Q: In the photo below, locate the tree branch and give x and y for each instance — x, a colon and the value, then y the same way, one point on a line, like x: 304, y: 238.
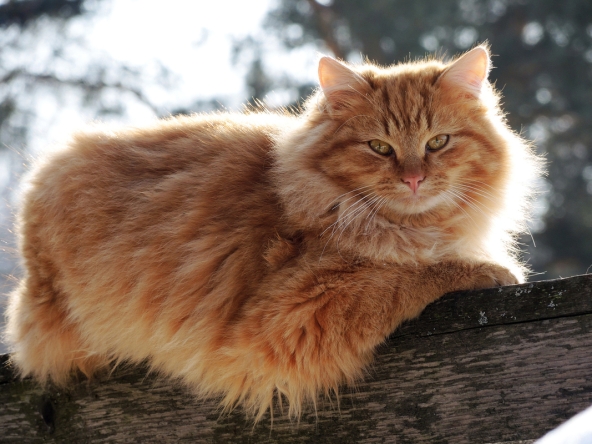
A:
x: 80, y: 83
x: 22, y: 12
x: 325, y: 20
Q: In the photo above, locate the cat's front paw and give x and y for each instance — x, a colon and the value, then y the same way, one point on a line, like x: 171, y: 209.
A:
x: 489, y: 275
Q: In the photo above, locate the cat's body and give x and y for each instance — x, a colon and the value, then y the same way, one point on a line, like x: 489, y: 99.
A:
x: 254, y: 254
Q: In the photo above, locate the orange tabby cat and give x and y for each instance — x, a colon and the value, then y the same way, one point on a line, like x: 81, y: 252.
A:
x: 264, y: 254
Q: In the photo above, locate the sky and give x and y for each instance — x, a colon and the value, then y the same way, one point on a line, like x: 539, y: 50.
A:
x: 192, y: 39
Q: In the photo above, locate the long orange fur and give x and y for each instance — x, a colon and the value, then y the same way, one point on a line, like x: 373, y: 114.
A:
x: 261, y: 255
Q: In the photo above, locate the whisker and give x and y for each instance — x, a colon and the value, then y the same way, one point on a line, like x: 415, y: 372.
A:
x: 349, y: 198
x: 380, y: 201
x: 353, y: 216
x: 467, y: 201
x: 530, y: 234
x: 347, y: 217
x: 372, y: 215
x: 476, y: 190
x: 446, y: 195
x: 480, y: 184
x: 345, y: 214
x: 362, y: 205
x: 339, y: 219
x: 347, y: 192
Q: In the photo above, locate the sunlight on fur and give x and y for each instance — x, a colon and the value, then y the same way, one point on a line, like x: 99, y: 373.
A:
x: 264, y: 255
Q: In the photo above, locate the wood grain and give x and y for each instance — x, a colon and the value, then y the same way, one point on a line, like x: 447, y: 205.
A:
x: 494, y: 366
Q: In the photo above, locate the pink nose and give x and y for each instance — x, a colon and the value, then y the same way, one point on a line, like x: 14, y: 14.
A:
x: 413, y: 182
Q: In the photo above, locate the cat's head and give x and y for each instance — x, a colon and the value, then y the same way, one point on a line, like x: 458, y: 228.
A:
x: 419, y: 143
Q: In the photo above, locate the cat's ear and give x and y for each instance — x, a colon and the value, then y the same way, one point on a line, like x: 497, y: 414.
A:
x: 469, y: 72
x: 342, y: 86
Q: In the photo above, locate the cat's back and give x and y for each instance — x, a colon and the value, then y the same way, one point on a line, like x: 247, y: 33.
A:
x: 147, y: 197
x: 205, y: 156
x: 212, y: 144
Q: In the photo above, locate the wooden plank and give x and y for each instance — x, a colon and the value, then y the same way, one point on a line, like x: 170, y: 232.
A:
x: 489, y: 384
x: 505, y: 305
x: 447, y: 377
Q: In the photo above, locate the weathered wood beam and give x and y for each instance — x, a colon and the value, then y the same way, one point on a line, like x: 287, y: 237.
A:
x: 498, y: 365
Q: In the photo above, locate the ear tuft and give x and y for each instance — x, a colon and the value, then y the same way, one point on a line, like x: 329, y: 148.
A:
x: 339, y: 83
x: 469, y: 72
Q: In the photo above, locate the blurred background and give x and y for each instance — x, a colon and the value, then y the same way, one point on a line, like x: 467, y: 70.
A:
x: 64, y: 63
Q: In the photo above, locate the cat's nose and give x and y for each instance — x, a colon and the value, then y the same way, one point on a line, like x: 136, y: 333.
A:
x: 413, y: 182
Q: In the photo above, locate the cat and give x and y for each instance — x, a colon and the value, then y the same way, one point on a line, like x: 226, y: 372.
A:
x: 261, y: 257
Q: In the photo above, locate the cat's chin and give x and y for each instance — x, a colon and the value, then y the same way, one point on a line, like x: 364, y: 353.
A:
x: 414, y: 205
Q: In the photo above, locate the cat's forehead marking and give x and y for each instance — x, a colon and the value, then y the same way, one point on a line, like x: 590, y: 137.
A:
x: 406, y: 101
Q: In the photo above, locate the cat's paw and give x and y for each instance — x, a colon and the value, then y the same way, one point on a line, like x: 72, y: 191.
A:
x: 489, y: 275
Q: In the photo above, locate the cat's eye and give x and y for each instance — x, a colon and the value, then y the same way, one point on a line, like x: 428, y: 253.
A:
x: 381, y: 147
x: 437, y: 142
